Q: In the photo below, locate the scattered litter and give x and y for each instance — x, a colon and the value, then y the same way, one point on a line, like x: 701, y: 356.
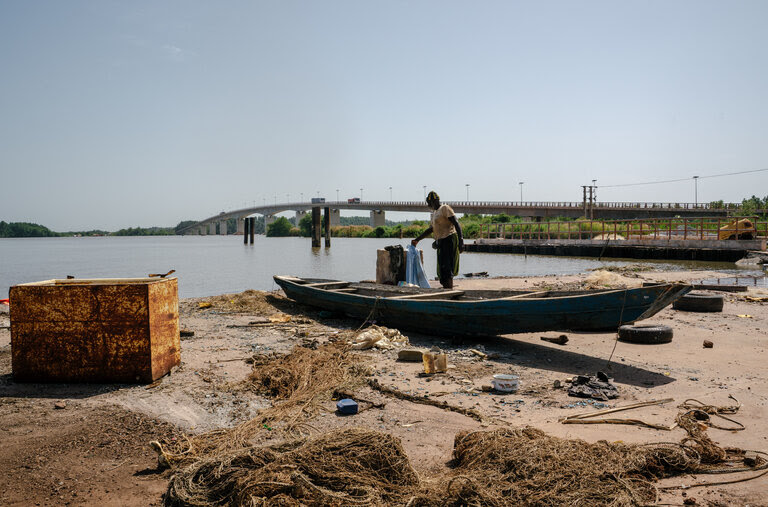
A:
x: 186, y: 333
x: 379, y: 337
x: 745, y: 316
x: 204, y: 304
x: 506, y: 383
x: 347, y: 406
x: 560, y: 340
x: 279, y: 318
x: 412, y: 355
x: 481, y: 274
x: 60, y: 405
x: 434, y: 362
x: 708, y: 344
x: 598, y: 387
x: 478, y: 353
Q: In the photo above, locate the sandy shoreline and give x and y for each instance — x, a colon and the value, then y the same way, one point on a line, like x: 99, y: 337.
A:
x: 203, y: 395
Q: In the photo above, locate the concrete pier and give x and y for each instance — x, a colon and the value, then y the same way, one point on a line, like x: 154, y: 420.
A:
x: 335, y: 217
x: 212, y: 228
x: 299, y: 216
x: 378, y: 218
x: 241, y: 223
x: 223, y: 228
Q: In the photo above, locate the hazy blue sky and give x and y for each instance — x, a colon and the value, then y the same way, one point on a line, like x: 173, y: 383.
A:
x: 117, y: 114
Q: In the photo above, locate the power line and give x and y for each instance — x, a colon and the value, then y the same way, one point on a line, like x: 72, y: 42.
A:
x: 682, y: 179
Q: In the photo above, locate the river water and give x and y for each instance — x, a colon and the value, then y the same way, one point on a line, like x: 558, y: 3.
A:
x: 209, y: 265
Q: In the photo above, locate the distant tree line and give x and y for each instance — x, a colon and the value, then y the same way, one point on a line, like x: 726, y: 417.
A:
x: 25, y: 230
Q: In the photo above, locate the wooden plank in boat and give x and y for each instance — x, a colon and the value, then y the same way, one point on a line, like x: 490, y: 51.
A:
x: 325, y: 285
x: 448, y: 294
x: 344, y: 289
x: 527, y: 295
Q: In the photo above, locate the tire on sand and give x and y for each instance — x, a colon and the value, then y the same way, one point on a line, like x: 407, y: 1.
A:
x: 698, y: 302
x: 645, y: 333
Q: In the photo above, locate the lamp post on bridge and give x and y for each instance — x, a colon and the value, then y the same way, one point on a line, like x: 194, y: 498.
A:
x: 696, y: 191
x: 467, y: 185
x: 390, y: 193
x: 521, y: 191
x: 302, y: 196
x: 425, y: 191
x: 337, y: 195
x: 361, y: 194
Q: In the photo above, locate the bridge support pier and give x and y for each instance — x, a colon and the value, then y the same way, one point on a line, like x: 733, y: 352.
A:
x: 335, y: 217
x: 315, y: 227
x: 212, y: 228
x: 251, y: 227
x: 378, y: 218
x: 299, y: 216
x: 327, y: 226
x: 268, y: 219
x: 201, y: 231
x: 244, y: 224
x: 223, y: 228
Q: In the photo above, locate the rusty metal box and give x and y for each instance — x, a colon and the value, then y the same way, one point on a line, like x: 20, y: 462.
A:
x: 94, y: 330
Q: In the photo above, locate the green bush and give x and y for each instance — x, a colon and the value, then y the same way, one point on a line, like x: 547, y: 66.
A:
x: 279, y: 228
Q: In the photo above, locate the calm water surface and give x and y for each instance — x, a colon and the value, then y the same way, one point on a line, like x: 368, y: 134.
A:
x: 209, y: 265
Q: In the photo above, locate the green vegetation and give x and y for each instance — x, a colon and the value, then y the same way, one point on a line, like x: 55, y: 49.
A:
x: 145, y: 231
x: 749, y: 207
x: 25, y: 230
x: 279, y: 228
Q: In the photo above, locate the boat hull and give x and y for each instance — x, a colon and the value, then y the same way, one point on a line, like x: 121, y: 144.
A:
x: 585, y: 312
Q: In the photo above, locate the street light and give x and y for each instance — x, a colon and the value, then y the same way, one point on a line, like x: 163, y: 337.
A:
x: 361, y: 193
x: 425, y: 191
x: 390, y: 193
x: 337, y: 195
x: 467, y: 185
x: 696, y: 190
x: 521, y: 191
x: 302, y: 196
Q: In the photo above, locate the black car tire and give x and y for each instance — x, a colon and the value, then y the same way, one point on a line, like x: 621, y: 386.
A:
x: 697, y: 302
x: 645, y: 333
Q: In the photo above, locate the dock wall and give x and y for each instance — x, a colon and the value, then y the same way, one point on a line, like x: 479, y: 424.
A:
x: 701, y: 250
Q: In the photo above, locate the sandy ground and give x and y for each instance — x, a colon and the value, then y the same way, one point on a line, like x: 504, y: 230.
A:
x: 87, y: 444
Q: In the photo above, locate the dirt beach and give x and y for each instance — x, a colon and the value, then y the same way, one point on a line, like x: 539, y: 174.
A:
x: 88, y: 444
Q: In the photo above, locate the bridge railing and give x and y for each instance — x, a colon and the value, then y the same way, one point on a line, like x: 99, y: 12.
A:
x: 641, y: 229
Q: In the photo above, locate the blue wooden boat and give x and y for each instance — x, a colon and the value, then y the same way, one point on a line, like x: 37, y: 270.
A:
x: 483, y: 312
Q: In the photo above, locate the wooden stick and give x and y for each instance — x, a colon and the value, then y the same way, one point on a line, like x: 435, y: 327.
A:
x: 447, y: 294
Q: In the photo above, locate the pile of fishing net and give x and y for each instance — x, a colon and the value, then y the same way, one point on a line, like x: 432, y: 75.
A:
x: 342, y: 467
x: 298, y: 383
x: 253, y: 302
x: 527, y: 467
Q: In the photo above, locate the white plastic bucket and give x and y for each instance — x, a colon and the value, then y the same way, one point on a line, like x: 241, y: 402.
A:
x: 506, y: 383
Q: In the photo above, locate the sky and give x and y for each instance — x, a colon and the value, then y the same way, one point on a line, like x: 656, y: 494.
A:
x: 120, y: 114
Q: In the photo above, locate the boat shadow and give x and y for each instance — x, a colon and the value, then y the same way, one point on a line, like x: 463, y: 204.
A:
x: 520, y: 352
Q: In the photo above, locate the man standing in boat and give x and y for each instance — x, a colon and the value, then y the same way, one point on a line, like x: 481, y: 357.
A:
x: 448, y: 239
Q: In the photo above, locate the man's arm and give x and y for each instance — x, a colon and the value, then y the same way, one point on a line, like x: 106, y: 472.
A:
x: 458, y: 231
x: 421, y: 236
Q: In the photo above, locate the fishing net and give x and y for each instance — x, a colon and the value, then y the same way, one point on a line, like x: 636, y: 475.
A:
x: 298, y: 383
x: 507, y: 466
x: 341, y: 467
x: 527, y: 467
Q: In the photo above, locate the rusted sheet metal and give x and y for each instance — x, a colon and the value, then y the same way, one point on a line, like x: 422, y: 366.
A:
x: 123, y: 330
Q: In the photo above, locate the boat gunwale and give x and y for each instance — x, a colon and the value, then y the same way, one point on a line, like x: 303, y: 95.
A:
x: 669, y: 286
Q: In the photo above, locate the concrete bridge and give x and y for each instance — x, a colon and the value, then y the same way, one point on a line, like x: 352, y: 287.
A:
x: 537, y: 210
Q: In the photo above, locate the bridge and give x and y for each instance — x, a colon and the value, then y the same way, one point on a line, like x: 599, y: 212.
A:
x: 537, y: 210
